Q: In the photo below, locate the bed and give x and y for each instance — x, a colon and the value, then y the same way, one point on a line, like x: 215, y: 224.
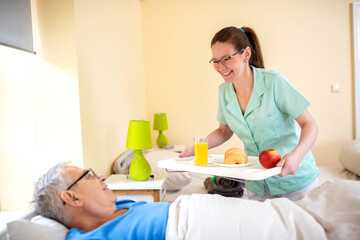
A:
x: 332, y: 211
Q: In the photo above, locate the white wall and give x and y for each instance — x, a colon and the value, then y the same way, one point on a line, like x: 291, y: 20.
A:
x: 89, y: 63
x: 39, y: 104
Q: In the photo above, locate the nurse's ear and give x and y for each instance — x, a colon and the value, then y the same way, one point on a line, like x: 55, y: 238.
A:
x: 247, y: 54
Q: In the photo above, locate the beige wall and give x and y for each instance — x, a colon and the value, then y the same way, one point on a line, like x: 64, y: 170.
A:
x: 39, y: 104
x: 101, y: 52
x: 111, y: 76
x: 309, y: 41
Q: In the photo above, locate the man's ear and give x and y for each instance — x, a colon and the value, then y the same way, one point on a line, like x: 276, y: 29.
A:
x: 69, y: 197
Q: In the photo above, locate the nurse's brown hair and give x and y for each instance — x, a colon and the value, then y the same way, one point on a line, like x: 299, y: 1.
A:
x: 241, y: 38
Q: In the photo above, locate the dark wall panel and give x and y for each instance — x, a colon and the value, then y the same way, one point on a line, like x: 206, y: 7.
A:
x: 15, y: 24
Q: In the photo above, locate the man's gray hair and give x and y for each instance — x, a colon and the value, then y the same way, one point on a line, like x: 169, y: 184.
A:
x: 48, y: 188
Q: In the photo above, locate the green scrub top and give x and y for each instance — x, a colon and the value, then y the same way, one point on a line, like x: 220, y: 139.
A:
x: 269, y: 123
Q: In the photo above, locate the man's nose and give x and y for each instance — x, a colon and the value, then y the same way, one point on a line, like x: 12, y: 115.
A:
x: 101, y: 177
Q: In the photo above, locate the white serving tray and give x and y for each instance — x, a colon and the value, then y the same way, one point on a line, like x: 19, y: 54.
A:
x: 253, y: 171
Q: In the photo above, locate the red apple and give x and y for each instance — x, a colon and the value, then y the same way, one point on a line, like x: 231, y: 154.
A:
x: 269, y: 158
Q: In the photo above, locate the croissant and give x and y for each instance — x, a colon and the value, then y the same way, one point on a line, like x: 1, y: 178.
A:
x: 235, y: 156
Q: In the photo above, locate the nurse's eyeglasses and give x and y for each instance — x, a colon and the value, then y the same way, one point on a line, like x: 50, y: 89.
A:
x: 224, y: 60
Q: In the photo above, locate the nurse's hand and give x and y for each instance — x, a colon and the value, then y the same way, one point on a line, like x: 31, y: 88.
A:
x: 290, y: 163
x: 187, y: 152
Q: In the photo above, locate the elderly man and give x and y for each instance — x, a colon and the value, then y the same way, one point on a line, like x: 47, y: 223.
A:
x: 80, y: 200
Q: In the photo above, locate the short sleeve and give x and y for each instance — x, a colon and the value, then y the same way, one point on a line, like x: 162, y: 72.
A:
x: 288, y: 99
x: 220, y: 114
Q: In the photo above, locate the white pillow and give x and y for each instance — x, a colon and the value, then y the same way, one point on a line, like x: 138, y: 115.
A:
x: 49, y: 223
x: 349, y: 156
x: 39, y: 228
x: 174, y: 181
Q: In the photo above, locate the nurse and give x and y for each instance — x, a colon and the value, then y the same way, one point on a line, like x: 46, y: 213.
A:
x: 262, y: 108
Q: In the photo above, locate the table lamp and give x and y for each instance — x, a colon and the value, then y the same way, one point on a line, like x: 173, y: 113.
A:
x: 139, y: 138
x: 160, y: 123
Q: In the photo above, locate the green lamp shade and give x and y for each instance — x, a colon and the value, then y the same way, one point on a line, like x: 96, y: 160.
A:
x: 139, y: 135
x: 160, y: 121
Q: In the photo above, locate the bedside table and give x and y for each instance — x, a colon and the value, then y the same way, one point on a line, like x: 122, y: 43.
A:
x: 124, y: 187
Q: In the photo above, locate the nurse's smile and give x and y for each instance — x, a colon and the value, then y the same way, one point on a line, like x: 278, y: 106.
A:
x: 226, y: 73
x: 227, y: 76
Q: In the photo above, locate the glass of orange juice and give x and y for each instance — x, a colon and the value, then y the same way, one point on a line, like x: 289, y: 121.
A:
x: 201, y: 151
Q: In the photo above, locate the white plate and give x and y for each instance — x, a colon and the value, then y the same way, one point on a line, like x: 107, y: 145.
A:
x: 219, y: 161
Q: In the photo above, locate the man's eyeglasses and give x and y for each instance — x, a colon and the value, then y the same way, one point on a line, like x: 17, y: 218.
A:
x: 82, y: 176
x: 224, y: 60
